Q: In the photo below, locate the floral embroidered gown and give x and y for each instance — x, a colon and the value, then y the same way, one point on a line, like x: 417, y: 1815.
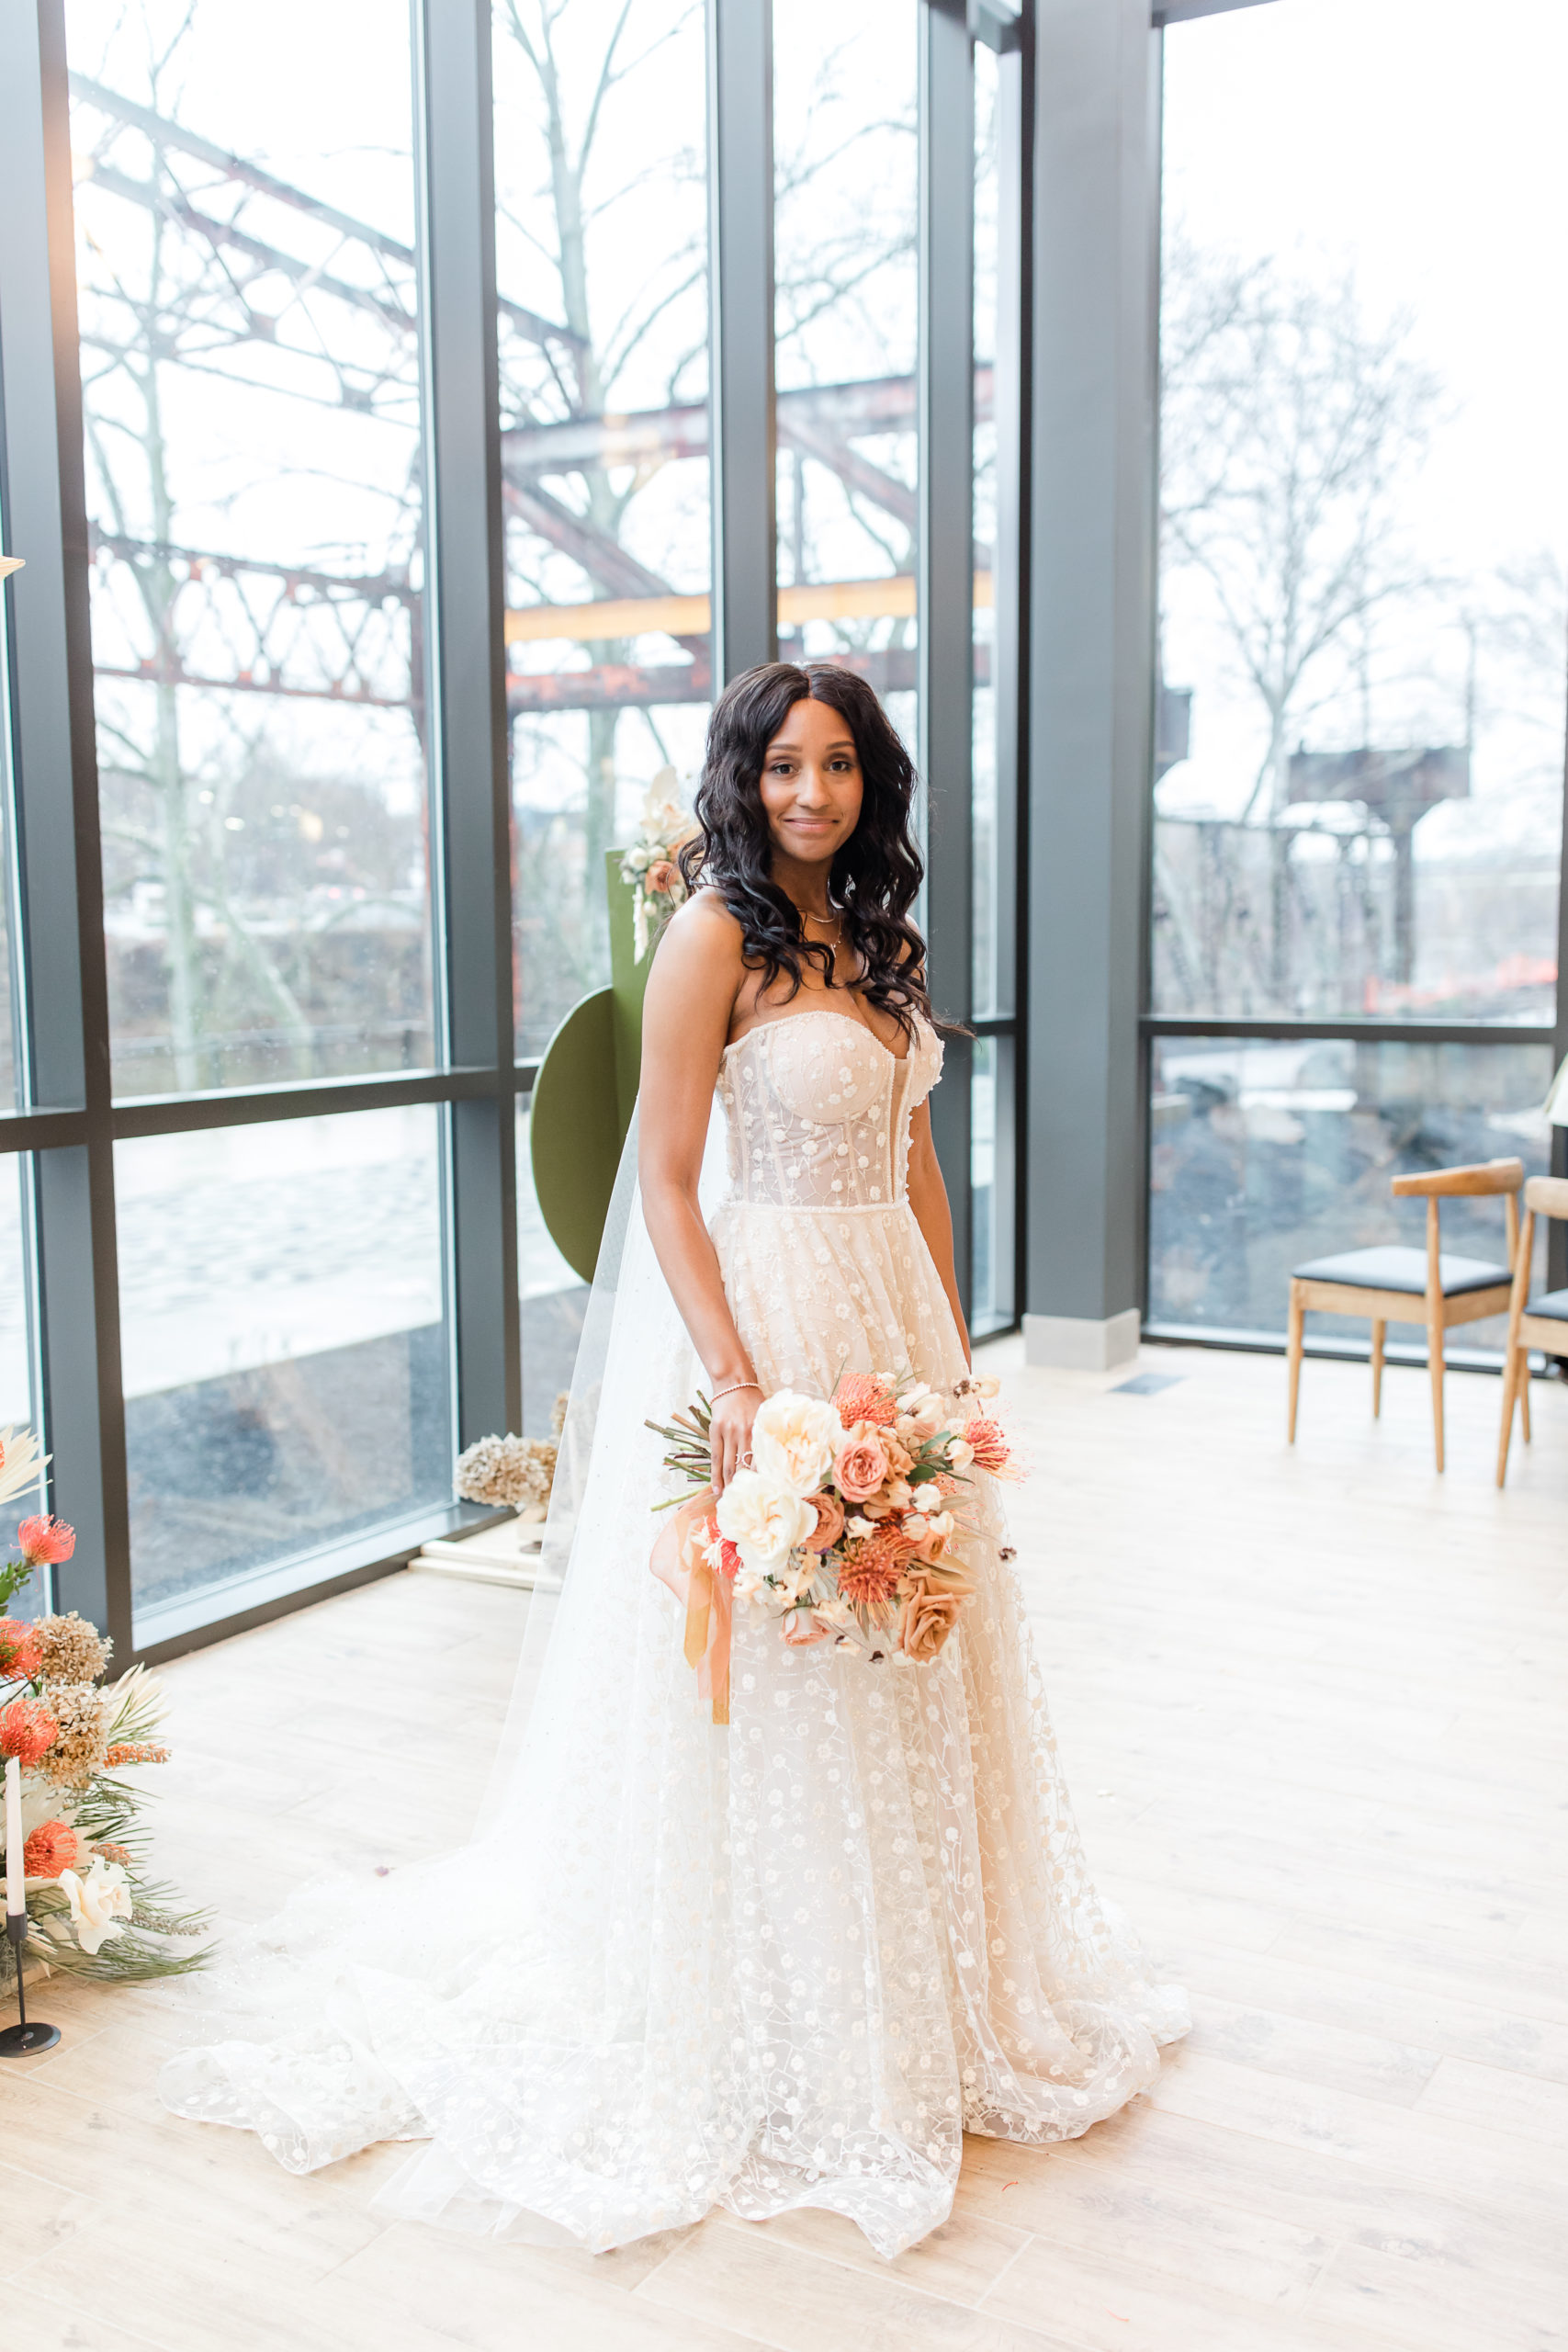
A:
x: 783, y: 1963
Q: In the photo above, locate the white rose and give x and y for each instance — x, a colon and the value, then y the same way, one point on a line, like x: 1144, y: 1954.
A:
x: 98, y: 1903
x: 794, y: 1440
x: 762, y: 1520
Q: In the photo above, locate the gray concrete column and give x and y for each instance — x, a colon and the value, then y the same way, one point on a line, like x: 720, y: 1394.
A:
x: 1091, y: 670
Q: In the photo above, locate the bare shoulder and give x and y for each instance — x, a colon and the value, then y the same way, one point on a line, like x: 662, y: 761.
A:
x: 706, y: 920
x: 698, y: 959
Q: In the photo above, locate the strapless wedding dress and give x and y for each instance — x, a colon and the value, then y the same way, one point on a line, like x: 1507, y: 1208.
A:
x: 786, y: 1964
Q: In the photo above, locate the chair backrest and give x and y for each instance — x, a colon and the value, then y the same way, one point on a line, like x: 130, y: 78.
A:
x: 1546, y: 1196
x: 1450, y: 1183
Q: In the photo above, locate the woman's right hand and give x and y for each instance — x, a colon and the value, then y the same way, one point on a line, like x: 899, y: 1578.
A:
x: 731, y: 1434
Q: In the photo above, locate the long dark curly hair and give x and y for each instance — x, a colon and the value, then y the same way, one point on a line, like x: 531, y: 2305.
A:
x: 874, y: 875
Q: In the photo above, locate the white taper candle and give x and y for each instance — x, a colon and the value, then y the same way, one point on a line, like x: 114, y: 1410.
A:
x: 16, y: 1878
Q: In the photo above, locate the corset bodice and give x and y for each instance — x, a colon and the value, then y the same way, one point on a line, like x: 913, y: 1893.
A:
x: 818, y: 1111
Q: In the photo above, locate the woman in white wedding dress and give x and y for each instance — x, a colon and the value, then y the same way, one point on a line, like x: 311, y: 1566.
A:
x: 788, y: 1962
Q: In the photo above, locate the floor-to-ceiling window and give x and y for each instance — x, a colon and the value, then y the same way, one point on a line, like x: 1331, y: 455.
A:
x: 249, y: 315
x: 998, y: 131
x: 395, y: 460
x: 602, y: 197
x: 1358, y: 841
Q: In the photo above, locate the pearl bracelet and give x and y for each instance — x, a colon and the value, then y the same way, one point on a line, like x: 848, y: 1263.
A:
x: 733, y: 1389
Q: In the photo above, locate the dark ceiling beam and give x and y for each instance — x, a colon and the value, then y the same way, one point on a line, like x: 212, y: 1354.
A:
x: 836, y: 411
x: 165, y: 133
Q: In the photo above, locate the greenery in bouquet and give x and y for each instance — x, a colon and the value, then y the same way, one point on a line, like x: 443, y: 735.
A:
x: 849, y: 1521
x: 649, y: 864
x: 94, y: 1909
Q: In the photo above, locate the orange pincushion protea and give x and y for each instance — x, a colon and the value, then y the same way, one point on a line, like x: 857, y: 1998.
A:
x: 26, y: 1731
x: 869, y: 1570
x: 45, y: 1541
x: 18, y: 1650
x: 50, y: 1850
x: 861, y: 1397
x: 992, y: 1451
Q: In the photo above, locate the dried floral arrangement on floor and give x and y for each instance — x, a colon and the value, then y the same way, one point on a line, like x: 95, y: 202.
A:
x: 93, y: 1910
x: 516, y: 1471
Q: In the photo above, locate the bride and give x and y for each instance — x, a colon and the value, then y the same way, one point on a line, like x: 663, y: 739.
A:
x: 790, y: 1960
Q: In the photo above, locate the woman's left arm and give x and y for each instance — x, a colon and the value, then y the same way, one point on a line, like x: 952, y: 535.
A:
x: 928, y: 1198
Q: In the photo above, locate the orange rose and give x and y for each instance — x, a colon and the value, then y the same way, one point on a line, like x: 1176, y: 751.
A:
x: 662, y: 877
x: 862, y: 1467
x: 830, y: 1523
x: 800, y: 1629
x: 929, y: 1614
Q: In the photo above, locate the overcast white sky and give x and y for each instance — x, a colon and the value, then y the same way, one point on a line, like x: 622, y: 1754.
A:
x: 1420, y: 143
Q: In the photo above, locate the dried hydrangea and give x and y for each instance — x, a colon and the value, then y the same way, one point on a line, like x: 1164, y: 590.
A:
x: 70, y: 1650
x: 80, y: 1743
x: 516, y: 1470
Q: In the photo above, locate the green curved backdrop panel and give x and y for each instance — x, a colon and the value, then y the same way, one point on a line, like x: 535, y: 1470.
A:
x: 586, y: 1091
x: 574, y: 1131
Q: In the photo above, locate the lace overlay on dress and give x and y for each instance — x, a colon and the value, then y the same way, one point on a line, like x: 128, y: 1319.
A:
x: 782, y: 1966
x: 818, y: 1111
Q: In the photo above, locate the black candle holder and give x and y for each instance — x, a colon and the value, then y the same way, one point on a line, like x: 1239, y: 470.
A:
x: 23, y: 2040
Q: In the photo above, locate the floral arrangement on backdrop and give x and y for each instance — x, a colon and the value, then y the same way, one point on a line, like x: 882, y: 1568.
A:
x: 650, y: 864
x: 848, y: 1526
x: 93, y: 1908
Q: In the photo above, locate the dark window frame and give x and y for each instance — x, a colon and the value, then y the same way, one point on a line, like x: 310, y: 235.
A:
x: 69, y: 1121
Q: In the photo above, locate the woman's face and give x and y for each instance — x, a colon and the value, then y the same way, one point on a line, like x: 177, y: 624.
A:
x: 811, y: 784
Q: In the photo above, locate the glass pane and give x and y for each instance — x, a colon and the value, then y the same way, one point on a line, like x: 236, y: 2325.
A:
x: 846, y: 236
x: 554, y: 1301
x: 601, y: 254
x: 283, y: 1330
x: 1266, y: 1156
x: 9, y: 1097
x: 18, y: 1400
x: 250, y: 332
x: 1365, y: 549
x: 991, y: 1169
x: 992, y: 988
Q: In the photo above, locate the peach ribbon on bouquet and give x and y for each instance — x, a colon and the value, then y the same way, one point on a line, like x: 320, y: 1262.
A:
x: 677, y: 1560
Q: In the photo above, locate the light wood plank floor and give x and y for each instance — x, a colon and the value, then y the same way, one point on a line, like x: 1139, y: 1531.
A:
x: 1311, y: 1703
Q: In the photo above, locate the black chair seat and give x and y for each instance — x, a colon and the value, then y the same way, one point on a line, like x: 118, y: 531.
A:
x: 1554, y: 1305
x: 1389, y: 1267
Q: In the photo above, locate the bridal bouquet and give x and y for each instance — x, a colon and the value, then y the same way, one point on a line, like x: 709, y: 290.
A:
x: 846, y: 1526
x: 649, y: 864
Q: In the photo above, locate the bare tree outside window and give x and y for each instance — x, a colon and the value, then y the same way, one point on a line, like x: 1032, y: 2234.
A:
x: 602, y: 225
x: 250, y: 359
x: 1295, y: 427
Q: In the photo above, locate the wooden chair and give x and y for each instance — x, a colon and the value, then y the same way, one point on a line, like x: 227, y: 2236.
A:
x: 1394, y: 1284
x: 1544, y: 1325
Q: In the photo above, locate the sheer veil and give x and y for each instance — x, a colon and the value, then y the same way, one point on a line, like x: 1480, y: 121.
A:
x: 629, y: 1302
x: 354, y: 2014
